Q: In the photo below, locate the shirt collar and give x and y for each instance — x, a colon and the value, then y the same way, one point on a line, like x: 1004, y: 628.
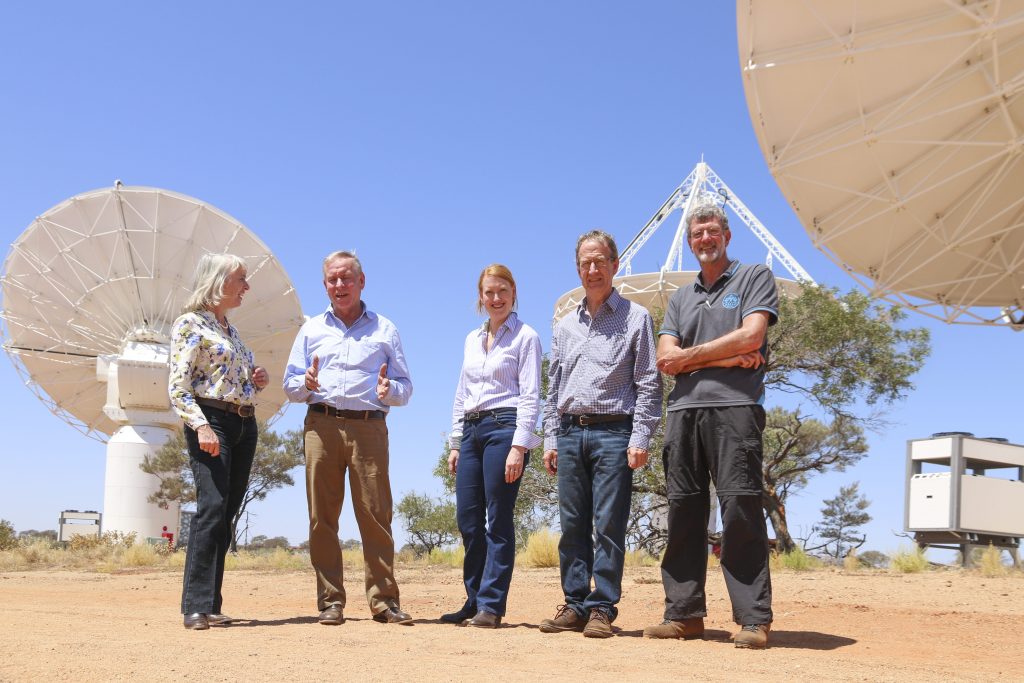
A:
x: 698, y: 282
x: 511, y: 324
x: 613, y: 302
x: 329, y: 315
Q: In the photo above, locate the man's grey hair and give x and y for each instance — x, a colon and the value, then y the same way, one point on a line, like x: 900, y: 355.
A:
x: 597, y: 236
x: 703, y: 210
x: 335, y: 255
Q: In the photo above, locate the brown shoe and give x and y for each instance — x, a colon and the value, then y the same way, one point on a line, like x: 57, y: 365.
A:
x: 687, y: 629
x: 599, y: 626
x: 332, y: 616
x: 566, y: 619
x: 753, y: 636
x: 392, y: 614
x: 196, y: 622
x: 483, y: 620
x: 219, y: 619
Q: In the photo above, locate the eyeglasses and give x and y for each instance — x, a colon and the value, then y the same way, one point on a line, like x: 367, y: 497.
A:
x: 599, y: 261
x: 697, y: 233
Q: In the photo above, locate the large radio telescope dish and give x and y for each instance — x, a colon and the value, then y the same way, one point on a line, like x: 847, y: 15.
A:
x: 895, y: 130
x: 109, y: 263
x: 653, y: 290
x: 91, y: 290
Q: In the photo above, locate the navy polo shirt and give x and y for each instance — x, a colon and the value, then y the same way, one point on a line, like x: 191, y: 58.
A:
x: 697, y: 315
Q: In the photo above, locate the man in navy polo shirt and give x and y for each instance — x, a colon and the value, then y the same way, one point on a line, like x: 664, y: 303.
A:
x: 714, y: 341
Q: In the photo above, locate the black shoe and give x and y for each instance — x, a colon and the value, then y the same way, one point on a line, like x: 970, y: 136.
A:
x: 460, y: 616
x: 219, y: 619
x: 393, y: 614
x: 196, y: 622
x: 332, y: 616
x: 484, y: 620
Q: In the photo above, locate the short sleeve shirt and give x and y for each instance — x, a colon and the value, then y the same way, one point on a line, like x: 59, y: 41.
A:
x: 697, y: 315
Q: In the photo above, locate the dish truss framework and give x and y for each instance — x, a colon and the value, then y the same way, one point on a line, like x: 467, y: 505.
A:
x: 653, y: 290
x: 896, y: 130
x: 90, y: 291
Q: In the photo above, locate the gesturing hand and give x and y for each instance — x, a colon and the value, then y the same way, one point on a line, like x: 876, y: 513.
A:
x: 383, y: 383
x: 311, y: 374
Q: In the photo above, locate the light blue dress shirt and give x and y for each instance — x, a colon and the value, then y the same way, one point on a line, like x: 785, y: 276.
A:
x: 350, y: 360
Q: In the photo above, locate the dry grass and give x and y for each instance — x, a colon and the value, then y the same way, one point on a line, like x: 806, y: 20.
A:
x: 851, y: 562
x: 795, y: 560
x: 541, y: 549
x: 909, y: 561
x: 991, y: 562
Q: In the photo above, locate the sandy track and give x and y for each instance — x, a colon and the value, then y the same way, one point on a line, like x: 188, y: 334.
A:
x: 829, y: 626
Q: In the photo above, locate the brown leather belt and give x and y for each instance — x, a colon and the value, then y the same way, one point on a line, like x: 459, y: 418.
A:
x: 350, y: 414
x: 227, y: 406
x: 584, y: 420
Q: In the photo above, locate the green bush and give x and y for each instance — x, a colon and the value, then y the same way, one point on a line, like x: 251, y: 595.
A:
x: 909, y: 561
x: 8, y: 539
x: 795, y: 560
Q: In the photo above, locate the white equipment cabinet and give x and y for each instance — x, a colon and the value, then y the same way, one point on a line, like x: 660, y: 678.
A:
x: 964, y: 505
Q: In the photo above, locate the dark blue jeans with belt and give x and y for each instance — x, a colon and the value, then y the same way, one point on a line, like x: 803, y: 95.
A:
x: 595, y: 485
x: 220, y: 484
x: 485, y: 505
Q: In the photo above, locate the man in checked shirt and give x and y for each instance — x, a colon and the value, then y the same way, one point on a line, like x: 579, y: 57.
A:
x: 603, y: 405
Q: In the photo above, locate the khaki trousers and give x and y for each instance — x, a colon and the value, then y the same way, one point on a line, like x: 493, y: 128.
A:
x: 334, y: 445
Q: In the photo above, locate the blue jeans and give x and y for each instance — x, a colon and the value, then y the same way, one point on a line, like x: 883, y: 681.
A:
x: 594, y: 490
x: 485, y: 506
x: 220, y: 485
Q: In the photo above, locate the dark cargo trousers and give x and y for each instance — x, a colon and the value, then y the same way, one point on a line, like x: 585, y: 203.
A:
x: 720, y: 445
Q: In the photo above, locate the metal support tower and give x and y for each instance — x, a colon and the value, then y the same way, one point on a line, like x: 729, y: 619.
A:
x: 703, y: 181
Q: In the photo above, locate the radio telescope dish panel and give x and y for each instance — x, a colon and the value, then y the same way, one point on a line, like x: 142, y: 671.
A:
x: 895, y: 131
x: 113, y: 263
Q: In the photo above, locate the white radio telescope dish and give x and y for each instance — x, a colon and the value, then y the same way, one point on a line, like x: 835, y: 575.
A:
x: 653, y: 290
x: 896, y: 131
x: 90, y: 291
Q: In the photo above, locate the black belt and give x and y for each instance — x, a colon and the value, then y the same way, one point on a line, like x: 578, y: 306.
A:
x: 477, y: 415
x: 584, y: 420
x: 227, y: 406
x: 350, y: 414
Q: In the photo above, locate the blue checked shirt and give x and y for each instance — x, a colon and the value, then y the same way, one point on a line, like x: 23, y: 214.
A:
x: 604, y: 366
x: 507, y: 376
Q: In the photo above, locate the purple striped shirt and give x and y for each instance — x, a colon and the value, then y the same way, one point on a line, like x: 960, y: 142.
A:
x: 507, y: 376
x: 604, y: 366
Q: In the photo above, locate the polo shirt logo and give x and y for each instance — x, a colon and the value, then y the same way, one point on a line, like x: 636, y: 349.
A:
x: 731, y: 300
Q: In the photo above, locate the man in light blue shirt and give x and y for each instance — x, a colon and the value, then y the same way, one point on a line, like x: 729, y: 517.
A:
x: 347, y: 365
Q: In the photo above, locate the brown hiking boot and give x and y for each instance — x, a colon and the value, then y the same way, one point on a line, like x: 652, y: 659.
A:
x: 753, y: 636
x: 599, y: 626
x: 687, y: 629
x: 565, y: 619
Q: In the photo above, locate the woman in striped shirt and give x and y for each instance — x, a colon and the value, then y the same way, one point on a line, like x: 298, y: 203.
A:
x: 497, y: 401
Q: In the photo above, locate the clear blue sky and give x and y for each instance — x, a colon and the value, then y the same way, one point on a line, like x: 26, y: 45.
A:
x: 434, y: 138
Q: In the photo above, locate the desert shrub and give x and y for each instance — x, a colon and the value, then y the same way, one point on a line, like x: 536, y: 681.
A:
x: 851, y: 562
x: 991, y: 562
x: 795, y: 560
x: 541, y: 549
x: 873, y: 559
x: 909, y: 561
x: 640, y: 558
x: 451, y: 557
x: 351, y: 558
x: 8, y: 539
x: 276, y: 559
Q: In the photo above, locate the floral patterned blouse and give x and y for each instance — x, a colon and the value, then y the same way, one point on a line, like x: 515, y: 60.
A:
x: 207, y: 363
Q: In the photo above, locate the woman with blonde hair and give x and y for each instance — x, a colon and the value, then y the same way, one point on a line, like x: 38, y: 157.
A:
x: 213, y: 383
x: 497, y: 401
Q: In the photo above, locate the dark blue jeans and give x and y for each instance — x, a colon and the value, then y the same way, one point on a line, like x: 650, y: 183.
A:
x: 485, y: 506
x: 220, y: 485
x: 594, y: 490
